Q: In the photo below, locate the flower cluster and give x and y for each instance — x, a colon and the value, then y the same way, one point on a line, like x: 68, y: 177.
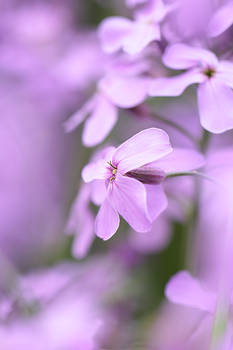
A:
x: 138, y: 114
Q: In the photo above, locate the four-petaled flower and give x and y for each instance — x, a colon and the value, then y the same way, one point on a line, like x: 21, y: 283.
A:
x: 125, y: 85
x: 215, y: 79
x: 134, y: 35
x: 132, y: 175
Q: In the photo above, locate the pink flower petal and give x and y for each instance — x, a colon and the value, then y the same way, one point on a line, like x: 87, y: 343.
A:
x: 80, y: 205
x: 142, y: 34
x: 156, y: 200
x: 98, y: 192
x: 180, y: 160
x: 125, y: 92
x: 94, y: 171
x: 225, y: 73
x: 181, y: 56
x: 81, y: 223
x: 152, y: 241
x: 107, y: 221
x: 185, y: 290
x: 215, y: 101
x: 144, y: 147
x: 100, y: 122
x: 106, y: 153
x: 175, y: 86
x: 154, y: 11
x: 221, y: 20
x: 83, y: 241
x: 78, y: 117
x: 128, y: 196
x: 113, y: 31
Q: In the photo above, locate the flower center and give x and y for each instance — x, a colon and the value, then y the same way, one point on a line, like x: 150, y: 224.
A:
x: 209, y: 72
x: 113, y: 171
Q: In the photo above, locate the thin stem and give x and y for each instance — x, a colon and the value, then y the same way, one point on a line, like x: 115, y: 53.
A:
x: 220, y: 323
x: 205, y: 140
x: 192, y: 173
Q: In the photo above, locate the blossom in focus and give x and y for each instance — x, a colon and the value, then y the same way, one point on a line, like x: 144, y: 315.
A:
x: 125, y: 194
x: 134, y: 35
x: 215, y: 95
x: 81, y: 220
x: 132, y: 174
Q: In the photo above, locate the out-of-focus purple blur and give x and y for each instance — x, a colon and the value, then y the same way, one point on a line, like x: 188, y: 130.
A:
x: 47, y: 61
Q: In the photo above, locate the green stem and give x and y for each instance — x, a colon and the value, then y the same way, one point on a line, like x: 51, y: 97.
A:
x: 192, y: 173
x: 220, y: 324
x: 205, y: 140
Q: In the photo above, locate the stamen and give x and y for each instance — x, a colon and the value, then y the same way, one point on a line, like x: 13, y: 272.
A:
x: 113, y: 166
x: 114, y: 171
x: 112, y: 178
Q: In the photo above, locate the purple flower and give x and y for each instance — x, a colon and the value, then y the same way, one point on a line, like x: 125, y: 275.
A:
x: 185, y: 290
x: 221, y: 20
x: 134, y: 35
x: 132, y: 174
x: 81, y: 223
x: 120, y: 88
x: 160, y: 235
x: 189, y: 21
x: 100, y: 111
x: 81, y: 220
x: 124, y: 193
x: 215, y: 96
